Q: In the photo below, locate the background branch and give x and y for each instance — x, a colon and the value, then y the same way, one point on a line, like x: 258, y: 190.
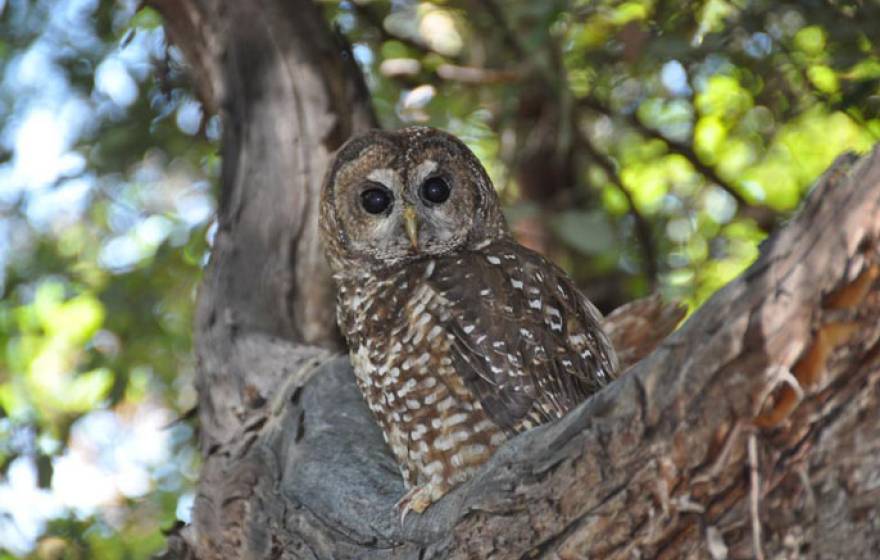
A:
x: 642, y: 228
x: 765, y: 217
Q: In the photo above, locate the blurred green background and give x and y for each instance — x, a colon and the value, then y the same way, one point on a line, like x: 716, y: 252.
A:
x: 643, y: 145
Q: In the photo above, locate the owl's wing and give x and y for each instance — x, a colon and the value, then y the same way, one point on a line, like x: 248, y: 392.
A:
x: 525, y: 341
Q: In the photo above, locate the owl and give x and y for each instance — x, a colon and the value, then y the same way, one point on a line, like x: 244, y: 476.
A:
x: 459, y: 337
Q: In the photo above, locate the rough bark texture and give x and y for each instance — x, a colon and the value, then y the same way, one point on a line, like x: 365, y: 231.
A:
x: 289, y: 94
x: 753, y: 431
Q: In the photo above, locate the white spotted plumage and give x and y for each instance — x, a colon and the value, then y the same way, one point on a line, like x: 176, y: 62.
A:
x: 459, y: 337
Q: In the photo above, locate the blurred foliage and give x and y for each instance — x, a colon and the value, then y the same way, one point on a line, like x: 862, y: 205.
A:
x: 106, y: 173
x: 641, y: 144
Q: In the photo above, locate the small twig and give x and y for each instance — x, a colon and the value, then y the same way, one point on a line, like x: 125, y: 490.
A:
x: 804, y: 476
x: 755, y: 496
x: 686, y: 504
x: 475, y: 75
x: 643, y: 229
x: 721, y: 460
x: 506, y: 32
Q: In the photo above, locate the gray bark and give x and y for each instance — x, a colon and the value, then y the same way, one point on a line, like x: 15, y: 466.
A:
x: 752, y: 431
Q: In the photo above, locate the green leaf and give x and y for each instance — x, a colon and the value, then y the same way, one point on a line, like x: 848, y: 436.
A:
x: 823, y: 78
x: 810, y: 40
x: 146, y: 18
x: 86, y: 390
x: 587, y: 232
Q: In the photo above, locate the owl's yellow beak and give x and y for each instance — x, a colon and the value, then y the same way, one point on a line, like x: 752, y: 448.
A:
x: 411, y: 225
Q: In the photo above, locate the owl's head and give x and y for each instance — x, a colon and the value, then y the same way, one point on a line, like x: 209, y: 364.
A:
x: 394, y: 196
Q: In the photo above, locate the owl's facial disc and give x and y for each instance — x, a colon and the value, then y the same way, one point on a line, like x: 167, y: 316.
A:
x: 394, y: 197
x: 396, y: 212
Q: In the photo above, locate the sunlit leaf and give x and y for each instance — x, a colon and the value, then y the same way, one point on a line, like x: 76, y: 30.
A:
x: 76, y: 320
x: 588, y: 232
x: 629, y: 11
x: 723, y: 97
x: 709, y: 135
x: 614, y: 201
x: 810, y: 40
x: 87, y: 390
x: 146, y: 18
x: 823, y: 78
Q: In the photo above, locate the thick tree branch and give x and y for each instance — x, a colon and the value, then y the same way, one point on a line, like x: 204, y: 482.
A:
x: 289, y: 94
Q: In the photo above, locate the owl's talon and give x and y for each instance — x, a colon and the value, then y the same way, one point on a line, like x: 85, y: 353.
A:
x: 417, y: 499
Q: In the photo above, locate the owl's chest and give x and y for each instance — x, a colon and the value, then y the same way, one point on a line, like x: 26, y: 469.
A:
x: 393, y: 326
x: 401, y: 351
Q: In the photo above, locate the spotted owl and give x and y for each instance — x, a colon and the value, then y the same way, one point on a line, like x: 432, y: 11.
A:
x: 459, y: 337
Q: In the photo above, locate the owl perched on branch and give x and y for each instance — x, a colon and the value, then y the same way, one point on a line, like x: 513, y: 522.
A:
x: 459, y: 337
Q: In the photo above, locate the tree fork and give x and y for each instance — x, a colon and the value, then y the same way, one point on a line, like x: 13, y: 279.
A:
x: 752, y: 431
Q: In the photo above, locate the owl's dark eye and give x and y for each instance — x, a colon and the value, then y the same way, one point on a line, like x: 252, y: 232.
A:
x: 376, y: 200
x: 435, y: 190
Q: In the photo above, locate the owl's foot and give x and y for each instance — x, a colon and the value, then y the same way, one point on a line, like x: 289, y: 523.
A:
x: 417, y: 499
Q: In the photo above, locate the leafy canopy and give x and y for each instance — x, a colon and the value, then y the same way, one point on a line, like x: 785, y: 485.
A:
x: 641, y: 144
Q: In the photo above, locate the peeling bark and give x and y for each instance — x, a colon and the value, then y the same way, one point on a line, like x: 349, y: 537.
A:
x: 752, y: 431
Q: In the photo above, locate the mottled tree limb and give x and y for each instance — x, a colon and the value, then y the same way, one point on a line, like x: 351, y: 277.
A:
x: 657, y: 465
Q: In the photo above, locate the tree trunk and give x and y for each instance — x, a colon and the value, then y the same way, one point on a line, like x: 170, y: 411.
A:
x: 753, y: 431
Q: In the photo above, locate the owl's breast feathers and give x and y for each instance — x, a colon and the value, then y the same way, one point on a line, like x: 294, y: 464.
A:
x: 456, y: 353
